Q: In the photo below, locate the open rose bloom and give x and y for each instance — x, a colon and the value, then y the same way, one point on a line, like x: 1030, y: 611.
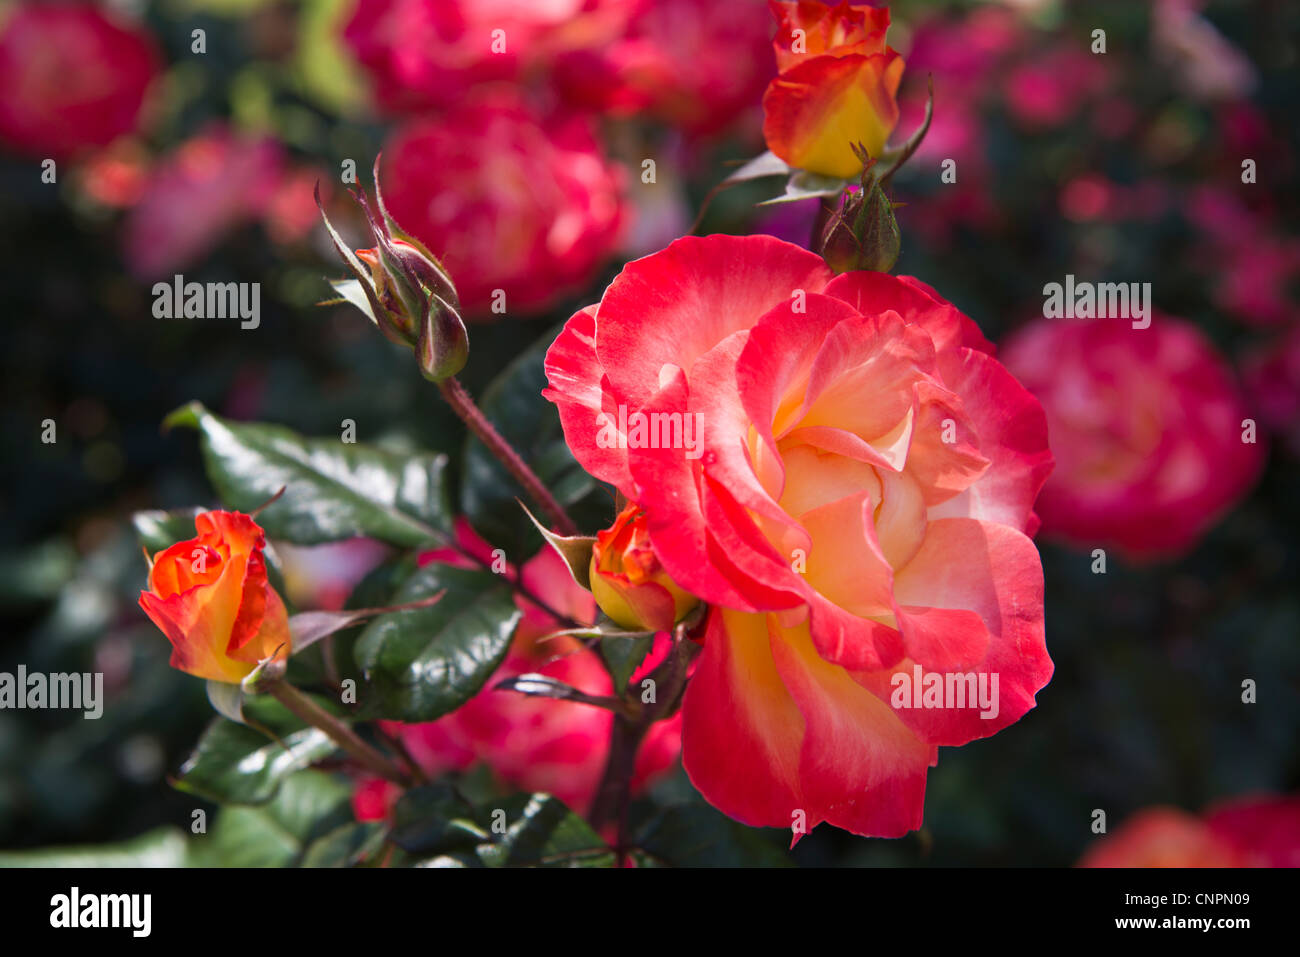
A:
x: 860, y: 507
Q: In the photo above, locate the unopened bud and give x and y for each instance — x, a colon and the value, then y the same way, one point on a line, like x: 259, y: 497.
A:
x: 627, y: 580
x: 409, y: 295
x: 862, y: 233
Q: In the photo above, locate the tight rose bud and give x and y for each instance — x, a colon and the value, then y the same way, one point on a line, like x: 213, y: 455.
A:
x: 211, y: 598
x: 407, y: 293
x: 863, y: 233
x: 627, y: 580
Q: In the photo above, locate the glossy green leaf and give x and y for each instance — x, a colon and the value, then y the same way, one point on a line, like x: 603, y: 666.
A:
x: 236, y: 764
x: 624, y: 655
x: 157, y: 529
x: 805, y: 185
x: 422, y: 663
x: 309, y: 807
x: 540, y: 831
x: 434, y: 820
x: 333, y: 490
x: 346, y: 846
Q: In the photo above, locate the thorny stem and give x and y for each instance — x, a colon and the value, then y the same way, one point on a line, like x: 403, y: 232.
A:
x: 313, y: 714
x: 486, y: 432
x: 615, y: 791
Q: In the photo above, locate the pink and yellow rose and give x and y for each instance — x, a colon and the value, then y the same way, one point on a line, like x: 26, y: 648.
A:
x: 860, y: 507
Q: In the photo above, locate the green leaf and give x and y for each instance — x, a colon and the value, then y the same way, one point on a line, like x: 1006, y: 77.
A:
x: 489, y: 495
x: 161, y: 847
x: 540, y: 831
x: 235, y: 764
x: 694, y: 835
x: 576, y: 550
x: 377, y: 588
x: 227, y: 699
x: 765, y: 164
x: 157, y: 529
x: 310, y: 806
x: 623, y: 656
x: 351, y: 291
x: 333, y: 490
x: 346, y: 846
x: 805, y: 185
x: 434, y: 820
x: 422, y: 663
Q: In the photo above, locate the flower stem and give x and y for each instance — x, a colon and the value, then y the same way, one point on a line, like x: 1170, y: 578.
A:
x: 615, y: 791
x: 478, y: 423
x: 313, y: 714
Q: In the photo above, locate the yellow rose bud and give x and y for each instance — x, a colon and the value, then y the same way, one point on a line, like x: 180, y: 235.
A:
x: 629, y: 583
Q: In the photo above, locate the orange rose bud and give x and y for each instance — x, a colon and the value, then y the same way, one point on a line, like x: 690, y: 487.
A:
x: 837, y: 86
x: 211, y: 598
x: 806, y: 28
x: 629, y: 584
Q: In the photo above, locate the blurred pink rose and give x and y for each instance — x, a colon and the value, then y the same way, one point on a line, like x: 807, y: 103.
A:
x: 697, y: 65
x: 531, y: 743
x: 73, y: 77
x: 962, y: 52
x: 1255, y: 282
x: 116, y: 177
x: 1259, y: 831
x: 423, y: 53
x: 1093, y: 197
x: 1146, y: 427
x: 291, y: 213
x: 211, y: 184
x: 1272, y: 376
x: 507, y: 199
x: 1048, y: 89
x: 1252, y: 265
